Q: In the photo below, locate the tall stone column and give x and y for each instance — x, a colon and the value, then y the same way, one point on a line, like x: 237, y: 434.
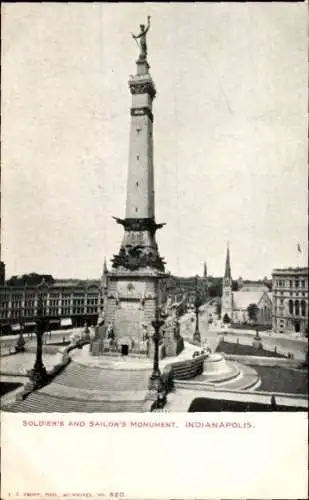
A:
x: 139, y: 248
x: 133, y: 282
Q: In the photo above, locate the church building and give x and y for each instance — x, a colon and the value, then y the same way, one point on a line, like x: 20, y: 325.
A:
x: 238, y: 306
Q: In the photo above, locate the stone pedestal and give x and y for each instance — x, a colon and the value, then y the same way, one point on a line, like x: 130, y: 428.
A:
x: 130, y: 309
x: 215, y: 364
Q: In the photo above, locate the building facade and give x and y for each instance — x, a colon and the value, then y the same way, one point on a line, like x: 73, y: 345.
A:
x: 63, y: 303
x: 243, y: 299
x: 236, y: 305
x: 290, y: 300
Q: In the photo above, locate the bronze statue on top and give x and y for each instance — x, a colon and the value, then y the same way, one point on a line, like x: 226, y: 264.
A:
x: 142, y: 39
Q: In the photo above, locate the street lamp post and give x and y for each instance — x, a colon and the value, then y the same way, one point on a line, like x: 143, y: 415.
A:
x: 20, y: 343
x: 38, y: 374
x: 197, y: 304
x: 155, y: 381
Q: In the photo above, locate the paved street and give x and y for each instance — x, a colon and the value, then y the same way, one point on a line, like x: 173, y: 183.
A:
x: 208, y: 336
x: 19, y: 364
x: 212, y: 336
x: 7, y: 342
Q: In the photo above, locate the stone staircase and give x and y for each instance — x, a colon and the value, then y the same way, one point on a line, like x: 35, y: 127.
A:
x: 81, y: 388
x: 39, y: 402
x: 114, y: 388
x: 104, y: 379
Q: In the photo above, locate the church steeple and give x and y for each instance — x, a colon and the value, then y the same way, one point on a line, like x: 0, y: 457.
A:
x: 205, y: 270
x: 227, y: 272
x: 227, y: 294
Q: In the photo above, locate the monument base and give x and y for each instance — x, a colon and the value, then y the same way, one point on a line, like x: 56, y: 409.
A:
x: 130, y: 309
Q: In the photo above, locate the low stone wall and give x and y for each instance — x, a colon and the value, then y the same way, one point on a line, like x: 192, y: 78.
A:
x: 259, y: 403
x: 186, y: 369
x: 294, y: 348
x: 264, y: 361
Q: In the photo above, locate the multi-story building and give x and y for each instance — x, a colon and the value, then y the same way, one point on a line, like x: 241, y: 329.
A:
x: 62, y: 302
x: 178, y: 289
x: 290, y: 299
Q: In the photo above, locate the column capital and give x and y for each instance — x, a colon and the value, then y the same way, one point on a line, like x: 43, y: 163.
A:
x: 142, y: 84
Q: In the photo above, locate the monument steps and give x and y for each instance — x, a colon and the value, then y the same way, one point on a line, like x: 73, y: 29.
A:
x: 104, y: 379
x: 38, y: 403
x: 81, y: 388
x: 65, y: 392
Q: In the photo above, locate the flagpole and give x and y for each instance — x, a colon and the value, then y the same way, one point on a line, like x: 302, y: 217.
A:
x: 298, y: 254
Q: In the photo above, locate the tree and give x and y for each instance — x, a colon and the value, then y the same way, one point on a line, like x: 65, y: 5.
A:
x: 226, y: 318
x: 215, y: 289
x: 32, y: 279
x: 252, y: 311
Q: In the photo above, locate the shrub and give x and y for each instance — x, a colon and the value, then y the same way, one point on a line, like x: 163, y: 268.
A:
x: 226, y: 318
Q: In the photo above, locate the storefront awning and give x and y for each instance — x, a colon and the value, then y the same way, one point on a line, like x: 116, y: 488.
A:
x: 66, y: 322
x: 16, y: 327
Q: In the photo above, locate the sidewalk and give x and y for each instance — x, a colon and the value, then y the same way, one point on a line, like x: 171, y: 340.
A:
x: 19, y: 364
x: 266, y: 334
x: 283, y: 345
x: 3, y: 338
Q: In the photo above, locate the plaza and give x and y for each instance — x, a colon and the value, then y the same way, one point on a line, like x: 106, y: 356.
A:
x: 116, y: 383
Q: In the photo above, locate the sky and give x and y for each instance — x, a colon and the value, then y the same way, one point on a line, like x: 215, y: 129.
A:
x: 230, y: 134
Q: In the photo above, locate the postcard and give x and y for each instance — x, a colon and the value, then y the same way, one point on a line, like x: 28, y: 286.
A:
x: 153, y: 265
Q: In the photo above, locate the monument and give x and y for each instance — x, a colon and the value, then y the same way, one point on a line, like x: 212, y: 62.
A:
x: 135, y: 281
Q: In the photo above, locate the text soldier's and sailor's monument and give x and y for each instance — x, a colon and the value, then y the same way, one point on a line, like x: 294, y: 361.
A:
x: 134, y: 283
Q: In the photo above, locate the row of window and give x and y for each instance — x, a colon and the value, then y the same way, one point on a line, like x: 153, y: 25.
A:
x: 19, y: 297
x: 53, y: 303
x: 296, y: 308
x: 290, y: 283
x: 29, y: 313
x: 288, y: 294
x: 91, y: 300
